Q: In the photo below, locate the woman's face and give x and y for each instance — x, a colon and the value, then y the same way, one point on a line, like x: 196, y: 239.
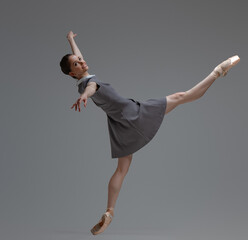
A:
x: 78, y: 66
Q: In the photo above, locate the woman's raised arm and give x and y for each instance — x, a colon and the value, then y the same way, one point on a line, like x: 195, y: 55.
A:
x: 74, y: 47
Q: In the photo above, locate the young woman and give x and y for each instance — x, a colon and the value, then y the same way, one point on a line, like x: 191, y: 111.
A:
x: 131, y: 124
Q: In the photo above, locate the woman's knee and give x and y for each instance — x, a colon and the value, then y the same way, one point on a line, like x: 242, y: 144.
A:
x: 180, y: 97
x: 177, y: 98
x: 124, y: 164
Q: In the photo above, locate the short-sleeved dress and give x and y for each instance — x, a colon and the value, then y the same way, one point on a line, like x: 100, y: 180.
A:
x: 131, y: 124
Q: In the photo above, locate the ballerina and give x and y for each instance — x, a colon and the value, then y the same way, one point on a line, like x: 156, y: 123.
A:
x: 131, y: 123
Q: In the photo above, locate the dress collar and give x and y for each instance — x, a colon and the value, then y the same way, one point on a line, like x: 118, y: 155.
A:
x: 84, y: 78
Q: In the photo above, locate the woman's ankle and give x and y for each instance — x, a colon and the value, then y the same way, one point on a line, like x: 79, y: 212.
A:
x: 216, y: 73
x: 110, y: 210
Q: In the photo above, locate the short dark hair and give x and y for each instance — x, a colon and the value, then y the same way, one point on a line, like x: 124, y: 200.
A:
x: 65, y: 65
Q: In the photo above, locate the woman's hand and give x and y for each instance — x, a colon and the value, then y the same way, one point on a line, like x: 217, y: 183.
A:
x: 71, y: 35
x: 78, y: 102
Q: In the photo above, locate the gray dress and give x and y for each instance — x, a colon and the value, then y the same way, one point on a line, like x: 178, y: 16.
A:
x: 131, y: 124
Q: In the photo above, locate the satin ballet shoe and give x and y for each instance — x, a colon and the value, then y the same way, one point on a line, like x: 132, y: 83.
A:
x: 225, y: 66
x: 102, y: 224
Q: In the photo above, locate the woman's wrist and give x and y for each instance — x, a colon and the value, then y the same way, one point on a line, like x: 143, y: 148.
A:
x: 83, y: 95
x: 70, y: 38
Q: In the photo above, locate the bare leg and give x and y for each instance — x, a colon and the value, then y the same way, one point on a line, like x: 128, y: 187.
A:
x: 114, y: 188
x: 199, y: 89
x: 116, y: 180
x: 192, y: 94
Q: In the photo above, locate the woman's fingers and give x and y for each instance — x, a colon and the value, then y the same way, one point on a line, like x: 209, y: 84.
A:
x: 73, y: 105
x: 71, y: 35
x: 79, y: 105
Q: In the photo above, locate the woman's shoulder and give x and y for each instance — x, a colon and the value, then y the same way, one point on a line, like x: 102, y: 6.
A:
x: 85, y: 78
x: 83, y: 82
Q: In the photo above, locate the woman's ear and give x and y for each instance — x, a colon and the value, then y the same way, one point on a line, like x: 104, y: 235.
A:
x: 72, y: 74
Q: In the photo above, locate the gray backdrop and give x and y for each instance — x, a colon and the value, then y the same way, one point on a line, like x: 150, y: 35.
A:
x: 189, y: 182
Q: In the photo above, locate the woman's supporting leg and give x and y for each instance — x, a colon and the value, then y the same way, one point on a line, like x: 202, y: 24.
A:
x: 116, y: 180
x: 114, y: 188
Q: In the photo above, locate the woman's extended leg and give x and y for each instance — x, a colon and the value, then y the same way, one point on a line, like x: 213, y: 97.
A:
x: 198, y: 90
x: 194, y: 93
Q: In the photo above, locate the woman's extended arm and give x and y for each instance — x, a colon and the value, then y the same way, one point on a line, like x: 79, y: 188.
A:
x: 88, y: 92
x: 90, y: 89
x: 74, y: 47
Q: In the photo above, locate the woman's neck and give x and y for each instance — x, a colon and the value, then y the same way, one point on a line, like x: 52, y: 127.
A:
x: 83, y: 75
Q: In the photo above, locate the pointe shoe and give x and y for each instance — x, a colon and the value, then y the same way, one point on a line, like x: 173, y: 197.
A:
x: 225, y: 66
x: 102, y: 224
